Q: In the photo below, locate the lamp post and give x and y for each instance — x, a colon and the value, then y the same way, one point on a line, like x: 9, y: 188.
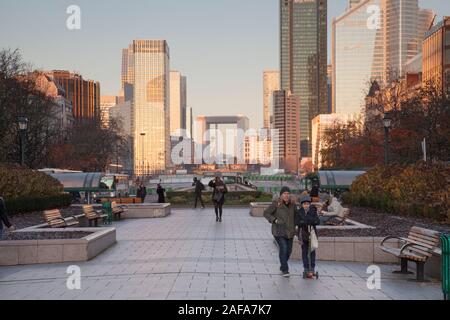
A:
x: 22, y: 123
x: 387, y: 122
x: 143, y: 138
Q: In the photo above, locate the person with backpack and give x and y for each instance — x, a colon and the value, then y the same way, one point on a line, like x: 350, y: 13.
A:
x: 199, y: 187
x: 306, y: 221
x: 218, y: 196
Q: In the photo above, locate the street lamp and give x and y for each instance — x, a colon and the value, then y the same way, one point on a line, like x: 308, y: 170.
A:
x: 387, y: 122
x: 22, y: 123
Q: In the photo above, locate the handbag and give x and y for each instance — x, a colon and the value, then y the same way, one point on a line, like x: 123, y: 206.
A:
x: 218, y: 196
x: 314, y: 240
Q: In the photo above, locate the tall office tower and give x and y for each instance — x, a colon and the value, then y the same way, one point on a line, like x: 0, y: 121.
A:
x: 403, y: 27
x: 352, y: 3
x: 286, y: 121
x: 84, y: 94
x: 436, y: 56
x: 106, y: 103
x: 127, y: 76
x: 177, y: 103
x: 330, y: 88
x: 357, y: 57
x: 365, y: 49
x: 303, y: 35
x: 150, y: 106
x: 271, y: 83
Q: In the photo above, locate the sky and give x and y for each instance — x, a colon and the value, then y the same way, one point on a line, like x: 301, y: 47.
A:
x: 221, y: 46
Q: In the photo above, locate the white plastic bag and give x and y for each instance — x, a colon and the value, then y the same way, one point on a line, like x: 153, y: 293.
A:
x: 314, y: 240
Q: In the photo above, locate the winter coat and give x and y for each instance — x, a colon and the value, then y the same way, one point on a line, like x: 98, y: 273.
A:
x: 161, y: 196
x: 3, y: 217
x: 219, y: 190
x: 282, y: 218
x: 305, y: 219
x: 199, y: 187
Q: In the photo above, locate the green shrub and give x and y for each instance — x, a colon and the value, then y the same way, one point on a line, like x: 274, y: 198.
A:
x: 31, y: 204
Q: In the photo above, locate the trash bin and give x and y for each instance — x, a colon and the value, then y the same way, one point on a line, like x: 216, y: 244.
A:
x: 445, y: 241
x: 107, y: 209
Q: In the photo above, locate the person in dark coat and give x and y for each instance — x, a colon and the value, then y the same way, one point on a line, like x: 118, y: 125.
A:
x: 305, y: 219
x: 143, y: 193
x: 218, y: 196
x: 315, y: 194
x: 161, y: 196
x: 281, y: 214
x: 4, y: 218
x: 199, y: 187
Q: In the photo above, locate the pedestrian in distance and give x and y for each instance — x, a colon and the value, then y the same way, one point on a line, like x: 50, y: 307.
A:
x: 4, y: 218
x: 218, y: 196
x: 161, y: 194
x: 199, y: 187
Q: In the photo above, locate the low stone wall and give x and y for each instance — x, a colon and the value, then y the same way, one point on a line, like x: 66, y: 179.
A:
x: 23, y: 252
x: 257, y: 208
x: 147, y: 211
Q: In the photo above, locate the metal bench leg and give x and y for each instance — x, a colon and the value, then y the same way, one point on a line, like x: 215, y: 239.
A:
x: 420, y: 271
x: 404, y: 267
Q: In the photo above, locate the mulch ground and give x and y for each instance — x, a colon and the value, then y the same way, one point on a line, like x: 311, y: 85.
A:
x: 44, y: 235
x: 25, y: 220
x: 385, y: 224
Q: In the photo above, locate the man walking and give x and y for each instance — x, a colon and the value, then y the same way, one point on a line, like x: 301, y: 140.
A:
x: 281, y: 214
x: 199, y: 187
x: 4, y: 218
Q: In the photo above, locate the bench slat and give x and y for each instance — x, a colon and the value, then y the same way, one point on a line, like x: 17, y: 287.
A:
x: 434, y: 240
x: 425, y: 242
x: 425, y: 232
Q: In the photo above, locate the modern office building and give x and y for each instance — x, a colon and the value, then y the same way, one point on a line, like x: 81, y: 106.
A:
x: 150, y: 106
x: 271, y: 83
x: 381, y: 52
x: 303, y: 36
x: 84, y: 94
x: 352, y: 3
x: 286, y: 122
x: 106, y: 102
x: 436, y: 56
x: 177, y: 103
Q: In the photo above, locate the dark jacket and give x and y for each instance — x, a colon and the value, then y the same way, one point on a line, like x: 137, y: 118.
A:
x: 218, y: 188
x: 3, y: 217
x: 282, y: 218
x: 199, y: 187
x: 161, y: 197
x: 303, y: 220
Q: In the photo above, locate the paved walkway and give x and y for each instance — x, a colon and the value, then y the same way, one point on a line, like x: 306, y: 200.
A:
x: 190, y: 256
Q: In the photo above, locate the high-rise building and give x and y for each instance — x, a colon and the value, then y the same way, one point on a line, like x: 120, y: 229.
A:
x: 436, y: 56
x: 330, y: 88
x: 365, y: 49
x: 271, y: 83
x: 177, y: 103
x: 127, y: 74
x: 286, y: 121
x: 404, y: 25
x: 150, y: 105
x: 106, y: 103
x: 84, y: 94
x: 352, y: 3
x: 303, y: 35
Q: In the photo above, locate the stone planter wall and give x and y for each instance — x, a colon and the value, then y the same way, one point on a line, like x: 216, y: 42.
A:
x: 146, y: 211
x: 24, y: 252
x: 257, y: 208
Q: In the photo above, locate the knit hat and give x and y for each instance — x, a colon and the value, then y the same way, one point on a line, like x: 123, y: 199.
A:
x: 305, y: 199
x: 285, y: 189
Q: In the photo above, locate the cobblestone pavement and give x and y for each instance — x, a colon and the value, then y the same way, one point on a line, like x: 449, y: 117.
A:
x: 190, y: 256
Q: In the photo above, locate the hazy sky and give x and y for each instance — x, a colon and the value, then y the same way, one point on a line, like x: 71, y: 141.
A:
x: 221, y: 46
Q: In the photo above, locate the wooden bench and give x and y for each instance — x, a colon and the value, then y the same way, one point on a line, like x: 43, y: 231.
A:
x: 336, y: 214
x: 117, y: 210
x: 93, y: 215
x: 54, y: 219
x: 418, y: 247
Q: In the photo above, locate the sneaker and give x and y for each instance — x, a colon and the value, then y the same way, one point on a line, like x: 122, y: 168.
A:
x: 286, y: 274
x: 220, y: 219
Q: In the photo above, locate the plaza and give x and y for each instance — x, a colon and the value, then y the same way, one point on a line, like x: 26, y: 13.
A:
x: 188, y: 256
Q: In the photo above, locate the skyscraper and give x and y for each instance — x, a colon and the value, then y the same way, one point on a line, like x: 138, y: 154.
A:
x: 150, y: 105
x: 303, y: 35
x: 271, y: 83
x: 106, y: 103
x: 362, y: 53
x: 287, y: 121
x: 177, y: 103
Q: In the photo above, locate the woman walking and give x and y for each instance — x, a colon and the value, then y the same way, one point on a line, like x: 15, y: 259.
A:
x: 218, y: 196
x: 161, y: 194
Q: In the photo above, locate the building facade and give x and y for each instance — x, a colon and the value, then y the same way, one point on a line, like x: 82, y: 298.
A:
x: 303, y: 36
x: 178, y: 103
x: 150, y: 106
x: 84, y: 94
x: 271, y: 83
x: 436, y: 56
x: 286, y: 122
x: 107, y: 102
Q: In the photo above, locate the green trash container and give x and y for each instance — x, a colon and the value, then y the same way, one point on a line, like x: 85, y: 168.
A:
x: 107, y: 209
x: 445, y: 241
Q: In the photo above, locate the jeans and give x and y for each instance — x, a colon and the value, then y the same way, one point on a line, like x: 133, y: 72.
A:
x: 199, y: 197
x: 285, y: 248
x: 218, y: 208
x: 305, y: 257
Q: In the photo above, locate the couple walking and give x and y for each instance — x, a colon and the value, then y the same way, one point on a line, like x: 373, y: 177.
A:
x: 218, y: 195
x: 289, y: 219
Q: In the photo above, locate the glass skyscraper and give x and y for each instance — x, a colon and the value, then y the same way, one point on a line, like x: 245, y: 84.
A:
x: 303, y: 36
x: 149, y: 67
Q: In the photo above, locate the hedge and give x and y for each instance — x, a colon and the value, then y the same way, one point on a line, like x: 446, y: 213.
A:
x: 32, y: 204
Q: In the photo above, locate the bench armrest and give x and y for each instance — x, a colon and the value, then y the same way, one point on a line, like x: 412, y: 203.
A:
x: 389, y: 238
x: 410, y: 244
